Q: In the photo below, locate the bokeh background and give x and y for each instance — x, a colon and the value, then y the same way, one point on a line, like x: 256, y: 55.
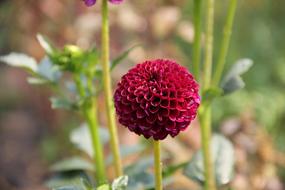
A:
x: 32, y: 135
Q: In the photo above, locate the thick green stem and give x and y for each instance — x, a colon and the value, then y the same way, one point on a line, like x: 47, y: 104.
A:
x: 225, y: 43
x: 205, y: 116
x: 157, y: 165
x: 91, y: 116
x: 197, y: 38
x: 108, y: 90
x: 205, y: 122
x: 209, y: 45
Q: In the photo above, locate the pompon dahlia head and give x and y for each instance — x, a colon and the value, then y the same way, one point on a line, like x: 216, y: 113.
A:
x: 157, y: 98
x: 92, y: 2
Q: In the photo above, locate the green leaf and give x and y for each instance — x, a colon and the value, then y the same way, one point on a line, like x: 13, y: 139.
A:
x: 141, y: 181
x: 73, y: 164
x: 36, y: 81
x: 223, y: 157
x: 104, y: 187
x: 210, y: 94
x: 62, y: 103
x: 81, y: 138
x: 127, y: 150
x: 48, y: 71
x: 233, y: 81
x: 120, y: 183
x: 170, y: 170
x: 20, y: 60
x: 46, y: 45
x: 70, y: 181
x: 121, y: 57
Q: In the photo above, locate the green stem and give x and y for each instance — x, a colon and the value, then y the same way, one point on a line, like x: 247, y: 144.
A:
x: 157, y: 165
x: 225, y: 42
x: 197, y: 38
x: 90, y: 113
x: 209, y: 45
x: 108, y: 90
x: 205, y: 122
x: 205, y: 116
x: 91, y: 116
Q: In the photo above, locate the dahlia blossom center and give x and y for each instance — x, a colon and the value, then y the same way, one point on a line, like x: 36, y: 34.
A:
x: 157, y: 98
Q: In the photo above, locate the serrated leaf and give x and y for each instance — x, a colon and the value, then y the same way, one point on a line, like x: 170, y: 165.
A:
x: 120, y: 183
x: 70, y: 181
x: 121, y: 57
x: 73, y: 164
x: 223, y: 157
x: 81, y: 138
x: 46, y: 45
x: 233, y: 81
x: 48, y: 71
x: 20, y: 60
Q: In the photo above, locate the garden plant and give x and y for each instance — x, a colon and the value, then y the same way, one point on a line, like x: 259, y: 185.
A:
x: 156, y: 99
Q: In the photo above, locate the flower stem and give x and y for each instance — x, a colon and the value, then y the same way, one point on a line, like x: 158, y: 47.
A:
x: 197, y: 38
x: 157, y: 165
x: 225, y: 42
x: 108, y: 90
x: 90, y: 113
x: 91, y: 116
x: 205, y: 122
x: 209, y: 45
x: 205, y: 116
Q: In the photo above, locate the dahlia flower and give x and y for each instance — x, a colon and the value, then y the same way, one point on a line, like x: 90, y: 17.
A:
x: 92, y: 2
x: 157, y: 98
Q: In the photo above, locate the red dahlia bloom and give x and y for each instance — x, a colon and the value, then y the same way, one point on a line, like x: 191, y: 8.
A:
x: 157, y: 98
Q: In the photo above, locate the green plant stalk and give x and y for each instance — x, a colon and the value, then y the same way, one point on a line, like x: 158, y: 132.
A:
x: 197, y: 38
x: 206, y: 133
x: 108, y: 91
x: 90, y: 113
x: 91, y: 116
x: 225, y: 43
x: 157, y: 165
x: 205, y: 116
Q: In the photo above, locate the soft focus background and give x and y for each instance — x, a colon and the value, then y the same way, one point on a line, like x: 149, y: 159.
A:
x: 32, y: 135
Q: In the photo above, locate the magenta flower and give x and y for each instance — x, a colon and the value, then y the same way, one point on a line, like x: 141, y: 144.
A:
x: 157, y: 98
x: 92, y: 2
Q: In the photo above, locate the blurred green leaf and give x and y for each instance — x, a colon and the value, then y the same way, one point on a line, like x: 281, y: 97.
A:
x: 20, y: 60
x: 223, y: 157
x: 104, y: 187
x: 233, y: 81
x: 170, y: 170
x: 73, y: 164
x: 62, y: 103
x: 46, y: 45
x: 36, y: 81
x: 120, y: 183
x: 48, y: 71
x: 128, y: 150
x: 70, y: 181
x: 121, y: 57
x: 210, y: 94
x: 81, y: 138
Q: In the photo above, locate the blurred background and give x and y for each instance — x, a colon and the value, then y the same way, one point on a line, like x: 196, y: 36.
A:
x: 32, y: 135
